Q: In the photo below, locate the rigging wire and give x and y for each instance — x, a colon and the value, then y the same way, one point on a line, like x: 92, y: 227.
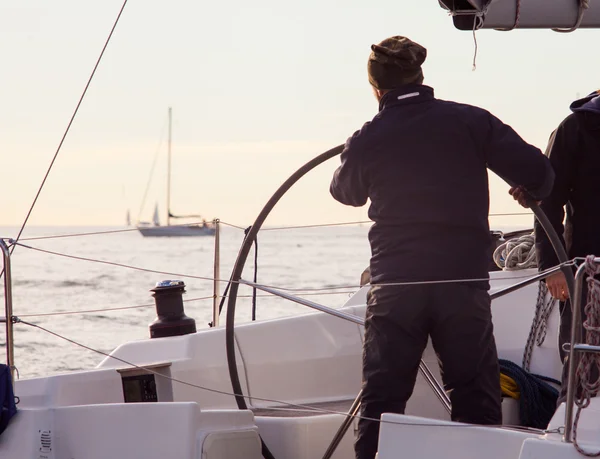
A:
x: 317, y: 225
x: 112, y: 263
x: 299, y: 290
x: 89, y: 311
x: 68, y: 127
x: 92, y: 233
x: 139, y: 306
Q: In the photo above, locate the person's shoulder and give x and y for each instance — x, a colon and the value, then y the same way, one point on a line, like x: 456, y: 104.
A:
x: 460, y: 108
x: 369, y: 130
x: 360, y: 133
x: 571, y: 121
x: 357, y: 141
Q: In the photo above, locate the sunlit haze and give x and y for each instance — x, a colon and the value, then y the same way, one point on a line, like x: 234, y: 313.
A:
x: 257, y: 88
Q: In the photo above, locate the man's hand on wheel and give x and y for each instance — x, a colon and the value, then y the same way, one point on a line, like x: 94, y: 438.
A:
x: 521, y: 196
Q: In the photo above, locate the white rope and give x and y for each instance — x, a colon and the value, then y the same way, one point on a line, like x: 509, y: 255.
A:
x: 516, y: 253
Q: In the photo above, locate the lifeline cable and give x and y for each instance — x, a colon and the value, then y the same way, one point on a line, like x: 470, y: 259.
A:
x: 93, y: 233
x: 147, y: 305
x: 121, y: 308
x: 299, y: 290
x: 317, y: 225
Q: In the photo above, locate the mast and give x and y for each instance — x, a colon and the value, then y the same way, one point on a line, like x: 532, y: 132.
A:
x: 169, y: 174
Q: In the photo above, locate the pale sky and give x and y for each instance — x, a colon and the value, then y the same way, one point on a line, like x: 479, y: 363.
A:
x: 257, y: 88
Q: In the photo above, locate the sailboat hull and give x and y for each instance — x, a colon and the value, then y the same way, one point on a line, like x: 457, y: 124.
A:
x: 176, y: 231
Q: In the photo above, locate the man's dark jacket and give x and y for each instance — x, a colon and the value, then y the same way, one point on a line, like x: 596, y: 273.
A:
x: 422, y: 163
x: 574, y: 151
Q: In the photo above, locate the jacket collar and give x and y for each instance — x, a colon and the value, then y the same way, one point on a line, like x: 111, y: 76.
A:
x: 408, y: 94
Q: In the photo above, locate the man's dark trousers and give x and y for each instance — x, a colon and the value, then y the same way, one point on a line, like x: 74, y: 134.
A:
x: 399, y: 321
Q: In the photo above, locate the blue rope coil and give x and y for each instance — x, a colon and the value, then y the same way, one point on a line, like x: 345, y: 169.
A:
x: 537, y: 402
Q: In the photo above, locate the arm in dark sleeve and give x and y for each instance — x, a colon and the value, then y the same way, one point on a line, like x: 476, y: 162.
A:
x: 560, y: 153
x: 349, y: 185
x: 516, y: 161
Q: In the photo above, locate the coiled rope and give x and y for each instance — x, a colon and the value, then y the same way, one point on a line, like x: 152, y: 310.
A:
x: 519, y: 253
x: 537, y: 398
x: 589, y: 365
x: 516, y: 253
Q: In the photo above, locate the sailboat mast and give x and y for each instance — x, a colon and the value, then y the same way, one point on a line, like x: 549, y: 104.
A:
x: 169, y: 174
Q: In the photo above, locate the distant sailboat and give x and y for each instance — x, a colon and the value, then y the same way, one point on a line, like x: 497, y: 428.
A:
x: 128, y: 218
x: 156, y: 230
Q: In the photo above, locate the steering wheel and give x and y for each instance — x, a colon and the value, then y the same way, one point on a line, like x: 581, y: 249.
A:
x: 255, y: 228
